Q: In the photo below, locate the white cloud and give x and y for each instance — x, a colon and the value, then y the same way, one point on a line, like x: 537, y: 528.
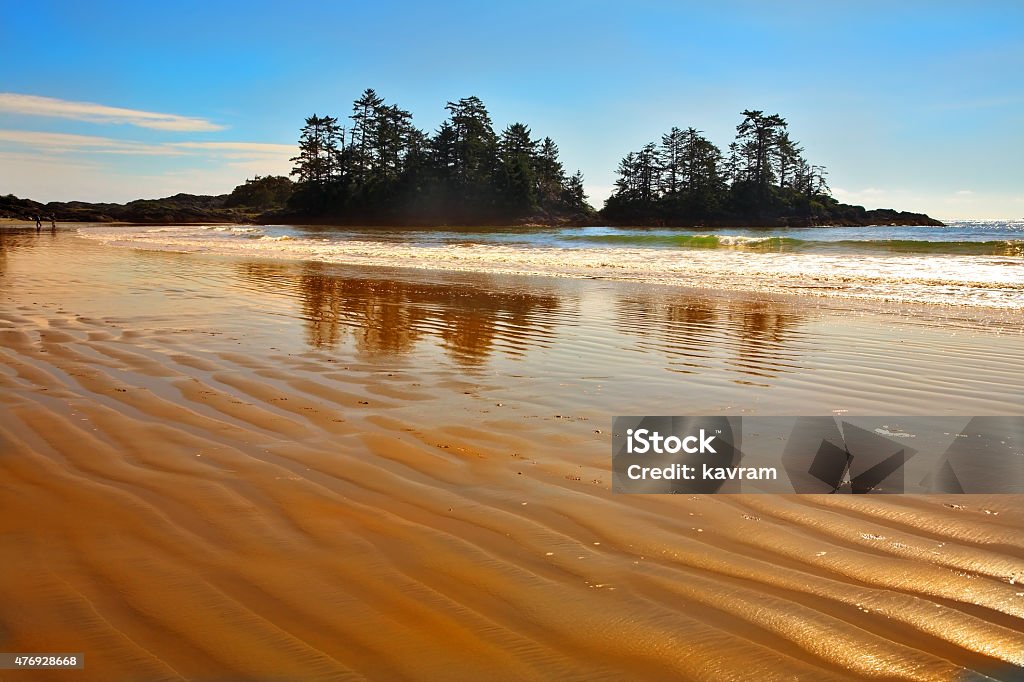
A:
x: 66, y: 142
x: 61, y: 166
x: 34, y: 105
x: 265, y: 151
x: 256, y: 147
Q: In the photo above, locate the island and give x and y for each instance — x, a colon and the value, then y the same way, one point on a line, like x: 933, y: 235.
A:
x: 380, y: 169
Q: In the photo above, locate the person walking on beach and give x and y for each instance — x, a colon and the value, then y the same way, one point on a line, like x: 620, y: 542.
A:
x: 53, y: 222
x: 39, y: 222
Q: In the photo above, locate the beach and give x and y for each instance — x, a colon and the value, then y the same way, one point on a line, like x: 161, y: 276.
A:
x: 372, y: 462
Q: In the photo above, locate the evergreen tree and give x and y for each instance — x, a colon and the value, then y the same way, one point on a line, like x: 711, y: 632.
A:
x: 391, y: 142
x: 787, y: 159
x: 475, y: 141
x: 703, y: 184
x: 388, y: 170
x: 626, y: 182
x: 758, y: 137
x: 261, y: 192
x: 673, y: 161
x: 762, y: 175
x: 518, y: 180
x: 365, y: 116
x: 573, y: 194
x: 550, y: 173
x: 444, y: 152
x: 317, y: 149
x: 647, y: 170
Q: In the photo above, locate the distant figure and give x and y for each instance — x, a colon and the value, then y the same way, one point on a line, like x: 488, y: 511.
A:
x: 39, y: 223
x: 53, y: 222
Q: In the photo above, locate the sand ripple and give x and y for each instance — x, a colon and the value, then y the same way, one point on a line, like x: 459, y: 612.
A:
x: 181, y: 500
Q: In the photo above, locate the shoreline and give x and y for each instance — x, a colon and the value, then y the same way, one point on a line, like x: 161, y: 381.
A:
x: 299, y: 221
x: 893, y: 277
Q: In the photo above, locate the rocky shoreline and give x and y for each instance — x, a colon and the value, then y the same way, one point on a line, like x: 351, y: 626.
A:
x: 190, y: 208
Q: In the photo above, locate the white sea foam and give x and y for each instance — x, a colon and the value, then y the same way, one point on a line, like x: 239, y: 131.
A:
x: 996, y: 281
x: 736, y: 240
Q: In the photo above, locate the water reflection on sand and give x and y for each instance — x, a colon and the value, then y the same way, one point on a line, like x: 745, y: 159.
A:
x: 389, y: 316
x: 758, y: 337
x: 475, y: 317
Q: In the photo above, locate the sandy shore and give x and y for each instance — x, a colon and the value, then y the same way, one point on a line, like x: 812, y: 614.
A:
x: 216, y: 468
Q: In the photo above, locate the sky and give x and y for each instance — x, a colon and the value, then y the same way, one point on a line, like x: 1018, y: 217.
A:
x: 910, y: 105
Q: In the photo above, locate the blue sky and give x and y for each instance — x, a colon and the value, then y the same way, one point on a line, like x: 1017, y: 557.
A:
x: 915, y: 107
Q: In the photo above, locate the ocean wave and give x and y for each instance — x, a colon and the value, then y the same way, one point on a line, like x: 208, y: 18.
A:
x: 997, y: 247
x: 975, y: 280
x: 707, y: 241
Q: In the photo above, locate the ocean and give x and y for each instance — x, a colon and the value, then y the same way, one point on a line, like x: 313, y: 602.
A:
x: 965, y: 263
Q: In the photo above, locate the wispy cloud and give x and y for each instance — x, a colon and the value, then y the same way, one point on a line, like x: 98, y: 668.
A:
x: 62, y: 166
x: 255, y: 147
x: 239, y: 150
x: 65, y: 143
x: 34, y: 105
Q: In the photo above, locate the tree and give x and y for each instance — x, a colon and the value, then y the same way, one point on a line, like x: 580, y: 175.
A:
x: 550, y: 173
x: 673, y: 161
x: 383, y: 168
x: 365, y: 115
x: 444, y: 153
x: 573, y: 194
x: 647, y: 170
x: 702, y: 179
x: 787, y: 159
x: 758, y: 135
x: 518, y: 181
x: 261, y: 192
x: 626, y: 183
x: 475, y: 141
x: 763, y: 177
x: 318, y: 151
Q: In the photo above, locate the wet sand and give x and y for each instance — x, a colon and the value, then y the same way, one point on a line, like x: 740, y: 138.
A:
x: 220, y: 468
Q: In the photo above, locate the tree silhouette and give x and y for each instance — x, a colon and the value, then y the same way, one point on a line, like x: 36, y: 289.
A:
x: 388, y: 170
x: 687, y: 180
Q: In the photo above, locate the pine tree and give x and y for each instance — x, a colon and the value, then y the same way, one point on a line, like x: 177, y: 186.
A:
x: 550, y: 173
x: 365, y: 116
x: 647, y: 171
x: 518, y: 181
x: 758, y: 137
x: 573, y: 195
x: 673, y: 161
x: 317, y: 151
x: 786, y: 159
x: 475, y: 141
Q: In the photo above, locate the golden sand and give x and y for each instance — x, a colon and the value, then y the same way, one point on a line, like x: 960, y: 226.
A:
x: 213, y: 468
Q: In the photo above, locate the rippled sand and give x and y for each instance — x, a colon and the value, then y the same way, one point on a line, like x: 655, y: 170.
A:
x: 221, y: 468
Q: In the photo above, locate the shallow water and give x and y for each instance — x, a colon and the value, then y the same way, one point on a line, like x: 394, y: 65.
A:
x: 965, y: 264
x: 613, y: 346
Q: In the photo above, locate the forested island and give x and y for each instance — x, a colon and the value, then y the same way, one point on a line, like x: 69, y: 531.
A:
x: 377, y: 168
